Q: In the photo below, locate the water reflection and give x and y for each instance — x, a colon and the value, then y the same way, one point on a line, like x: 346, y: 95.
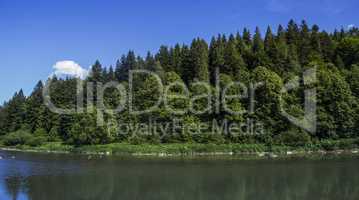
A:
x: 13, y: 186
x: 64, y: 177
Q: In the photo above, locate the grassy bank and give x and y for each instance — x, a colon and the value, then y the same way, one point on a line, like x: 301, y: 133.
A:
x: 193, y: 149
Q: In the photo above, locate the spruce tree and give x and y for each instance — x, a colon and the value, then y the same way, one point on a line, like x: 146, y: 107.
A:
x: 315, y: 39
x: 281, y: 58
x: 269, y: 42
x: 176, y: 59
x: 15, y: 112
x: 123, y: 67
x: 274, y: 60
x: 247, y: 37
x: 259, y: 56
x: 35, y: 109
x: 2, y: 121
x: 216, y: 56
x: 233, y: 61
x: 292, y: 34
x: 111, y: 74
x: 118, y: 69
x: 187, y: 68
x: 199, y: 60
x: 258, y: 46
x: 153, y: 65
x: 304, y: 43
x: 163, y: 57
x: 327, y: 47
x: 96, y: 73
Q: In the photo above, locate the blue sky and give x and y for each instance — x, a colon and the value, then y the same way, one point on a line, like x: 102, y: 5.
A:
x: 34, y: 35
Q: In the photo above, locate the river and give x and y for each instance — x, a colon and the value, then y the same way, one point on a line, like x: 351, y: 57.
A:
x: 50, y: 176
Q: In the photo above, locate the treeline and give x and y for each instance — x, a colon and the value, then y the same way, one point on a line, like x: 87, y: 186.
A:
x: 273, y: 59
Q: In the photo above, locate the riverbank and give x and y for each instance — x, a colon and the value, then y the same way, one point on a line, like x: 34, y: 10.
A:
x: 337, y: 147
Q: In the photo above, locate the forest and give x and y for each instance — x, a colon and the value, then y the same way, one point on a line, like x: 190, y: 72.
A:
x: 273, y: 57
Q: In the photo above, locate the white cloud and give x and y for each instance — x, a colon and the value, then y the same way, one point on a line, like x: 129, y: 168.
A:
x: 68, y: 67
x: 350, y: 26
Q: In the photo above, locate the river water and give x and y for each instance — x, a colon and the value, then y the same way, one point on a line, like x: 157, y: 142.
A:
x: 52, y: 177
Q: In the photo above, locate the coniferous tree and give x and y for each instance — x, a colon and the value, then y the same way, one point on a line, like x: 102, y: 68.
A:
x: 287, y: 50
x: 327, y: 47
x: 304, y: 43
x: 216, y: 56
x: 2, y: 121
x: 140, y: 63
x: 153, y: 65
x: 96, y: 73
x: 176, y: 59
x: 292, y: 61
x: 199, y: 60
x: 247, y: 37
x: 15, y: 112
x: 315, y: 40
x: 164, y: 57
x: 258, y: 45
x: 104, y: 75
x: 187, y: 69
x: 111, y: 74
x: 127, y: 63
x: 35, y: 109
x: 272, y: 61
x: 233, y: 61
x: 150, y: 62
x: 292, y: 34
x: 270, y: 48
x: 281, y: 34
x: 348, y: 50
x: 118, y: 69
x: 282, y: 59
x: 259, y: 56
x: 97, y: 76
x: 269, y: 42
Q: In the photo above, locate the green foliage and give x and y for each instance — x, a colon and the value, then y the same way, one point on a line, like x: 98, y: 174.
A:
x: 35, y: 108
x: 233, y: 61
x: 348, y: 50
x: 136, y: 140
x: 40, y: 132
x: 352, y: 78
x: 35, y: 141
x: 199, y: 60
x: 216, y: 55
x: 272, y: 61
x: 294, y: 137
x: 19, y: 137
x: 23, y: 137
x: 54, y: 135
x: 15, y: 112
x: 2, y: 121
x: 209, y: 138
x: 336, y: 115
x: 267, y: 99
x: 86, y: 131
